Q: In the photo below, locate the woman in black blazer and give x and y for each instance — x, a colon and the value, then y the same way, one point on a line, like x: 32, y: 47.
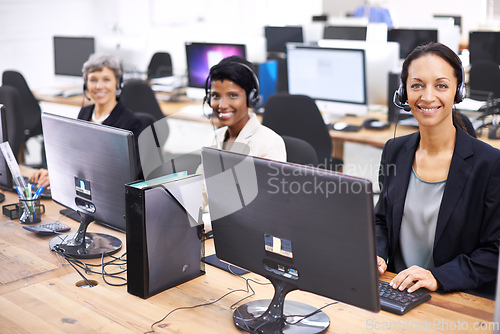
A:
x: 438, y: 215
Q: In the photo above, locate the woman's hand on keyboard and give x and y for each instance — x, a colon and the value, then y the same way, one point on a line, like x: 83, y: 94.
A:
x: 422, y: 278
x: 40, y: 177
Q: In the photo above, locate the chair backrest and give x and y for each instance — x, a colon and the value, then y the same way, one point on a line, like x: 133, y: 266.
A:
x: 299, y: 151
x: 298, y: 116
x: 9, y: 97
x: 146, y: 119
x: 139, y: 97
x: 29, y: 106
x: 484, y: 77
x: 160, y: 65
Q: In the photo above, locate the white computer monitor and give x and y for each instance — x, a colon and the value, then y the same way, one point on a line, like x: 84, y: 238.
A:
x: 381, y: 59
x: 334, y: 77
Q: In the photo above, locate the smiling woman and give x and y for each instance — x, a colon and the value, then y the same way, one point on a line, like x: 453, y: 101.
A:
x: 438, y: 216
x: 232, y: 88
x: 102, y: 76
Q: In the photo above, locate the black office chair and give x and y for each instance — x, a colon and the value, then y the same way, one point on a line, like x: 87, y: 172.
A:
x: 138, y: 96
x: 298, y: 116
x: 146, y: 119
x: 160, y: 65
x: 30, y: 109
x: 9, y: 97
x: 484, y: 80
x: 300, y: 152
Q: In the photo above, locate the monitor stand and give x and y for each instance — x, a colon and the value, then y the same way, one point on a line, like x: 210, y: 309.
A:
x: 86, y: 245
x: 278, y: 316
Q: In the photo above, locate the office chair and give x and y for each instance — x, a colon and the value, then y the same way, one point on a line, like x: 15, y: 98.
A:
x: 160, y: 65
x: 138, y: 96
x: 9, y: 97
x: 29, y: 107
x: 146, y: 119
x: 298, y: 116
x: 300, y: 152
x: 484, y: 77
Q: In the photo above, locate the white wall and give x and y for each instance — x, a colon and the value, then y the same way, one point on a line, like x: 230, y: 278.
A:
x: 139, y: 27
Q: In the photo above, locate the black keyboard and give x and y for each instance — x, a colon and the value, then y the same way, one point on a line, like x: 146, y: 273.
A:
x: 400, y: 302
x: 47, y: 229
x: 45, y: 192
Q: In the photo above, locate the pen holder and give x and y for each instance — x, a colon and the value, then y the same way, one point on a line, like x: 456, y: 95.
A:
x: 30, y: 211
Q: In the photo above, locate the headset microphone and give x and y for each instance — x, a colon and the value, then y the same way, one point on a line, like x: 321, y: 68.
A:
x: 397, y: 102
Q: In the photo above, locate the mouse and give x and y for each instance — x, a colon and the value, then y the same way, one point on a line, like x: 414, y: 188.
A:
x: 375, y: 124
x: 339, y: 126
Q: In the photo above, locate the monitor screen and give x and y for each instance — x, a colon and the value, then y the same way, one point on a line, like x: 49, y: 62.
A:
x: 409, y: 39
x: 202, y: 56
x: 5, y: 175
x: 334, y: 75
x: 302, y: 228
x: 457, y: 20
x: 277, y: 37
x: 484, y: 45
x: 70, y: 53
x: 89, y: 165
x: 356, y: 33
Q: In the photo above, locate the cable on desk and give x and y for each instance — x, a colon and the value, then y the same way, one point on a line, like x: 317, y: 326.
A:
x: 304, y: 317
x: 248, y: 289
x: 87, y: 267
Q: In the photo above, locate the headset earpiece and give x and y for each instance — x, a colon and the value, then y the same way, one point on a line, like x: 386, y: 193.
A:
x: 460, y: 94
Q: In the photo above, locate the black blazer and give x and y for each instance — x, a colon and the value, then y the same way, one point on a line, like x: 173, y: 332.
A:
x: 468, y: 227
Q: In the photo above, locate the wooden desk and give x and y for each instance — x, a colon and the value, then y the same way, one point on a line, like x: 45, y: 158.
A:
x: 38, y: 295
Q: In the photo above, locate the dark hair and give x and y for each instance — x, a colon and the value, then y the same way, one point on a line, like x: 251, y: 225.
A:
x: 230, y: 68
x: 444, y: 53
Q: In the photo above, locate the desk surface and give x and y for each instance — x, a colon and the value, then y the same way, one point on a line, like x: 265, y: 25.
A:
x: 38, y: 294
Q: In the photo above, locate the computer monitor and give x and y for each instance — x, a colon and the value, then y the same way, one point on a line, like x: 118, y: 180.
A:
x: 6, y: 181
x: 409, y: 39
x: 356, y: 33
x: 300, y: 227
x: 334, y: 77
x: 484, y: 45
x: 457, y: 19
x: 201, y: 57
x: 381, y: 58
x: 277, y: 37
x: 89, y: 165
x: 70, y: 53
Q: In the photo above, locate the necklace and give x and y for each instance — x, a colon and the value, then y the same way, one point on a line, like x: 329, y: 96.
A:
x: 100, y: 119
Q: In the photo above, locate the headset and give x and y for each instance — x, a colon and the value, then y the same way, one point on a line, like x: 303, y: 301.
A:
x: 253, y: 97
x: 401, y: 96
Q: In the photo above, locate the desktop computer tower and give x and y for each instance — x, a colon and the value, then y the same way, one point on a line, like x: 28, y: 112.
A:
x: 163, y: 241
x: 392, y: 110
x: 394, y: 113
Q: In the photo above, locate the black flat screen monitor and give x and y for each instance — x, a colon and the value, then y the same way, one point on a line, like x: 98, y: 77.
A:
x: 409, y: 39
x: 202, y: 56
x: 484, y: 45
x: 277, y: 37
x: 355, y: 33
x: 302, y: 228
x: 6, y: 181
x: 70, y: 53
x: 457, y: 20
x: 89, y: 165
